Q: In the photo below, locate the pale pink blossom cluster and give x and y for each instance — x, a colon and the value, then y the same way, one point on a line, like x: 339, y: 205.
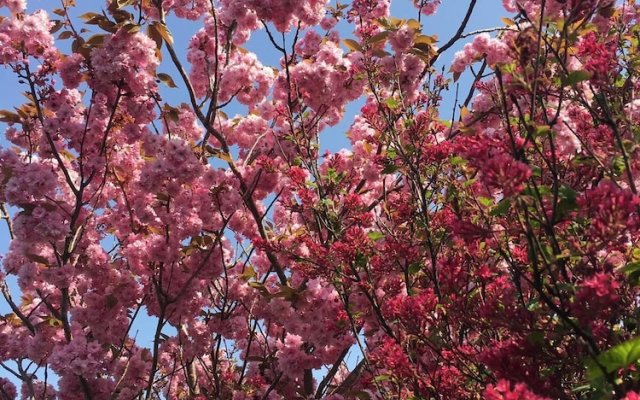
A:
x: 8, y: 388
x: 284, y: 14
x: 403, y: 71
x: 483, y: 46
x: 402, y: 39
x: 174, y: 163
x: 361, y: 134
x: 248, y: 131
x: 70, y: 70
x: 126, y: 61
x: 310, y: 44
x: 44, y: 391
x: 15, y: 6
x: 305, y: 344
x: 29, y: 183
x: 632, y: 111
x: 427, y: 7
x: 325, y: 83
x: 186, y: 127
x: 241, y: 76
x: 245, y: 78
x: 81, y: 356
x: 234, y: 13
x: 67, y: 122
x: 28, y: 35
x: 328, y: 23
x: 370, y: 10
x: 189, y: 9
x: 567, y: 143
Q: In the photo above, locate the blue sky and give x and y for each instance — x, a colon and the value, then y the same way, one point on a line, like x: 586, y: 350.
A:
x: 444, y: 24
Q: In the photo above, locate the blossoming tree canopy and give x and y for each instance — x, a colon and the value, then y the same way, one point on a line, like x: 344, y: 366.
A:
x: 489, y: 254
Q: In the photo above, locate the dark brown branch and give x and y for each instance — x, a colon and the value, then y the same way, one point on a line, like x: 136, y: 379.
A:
x: 458, y: 33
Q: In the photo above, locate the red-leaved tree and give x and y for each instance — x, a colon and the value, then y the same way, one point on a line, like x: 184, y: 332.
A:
x: 489, y: 254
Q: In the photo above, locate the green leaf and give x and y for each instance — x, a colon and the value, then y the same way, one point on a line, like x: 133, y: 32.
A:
x: 379, y: 37
x: 428, y: 40
x: 131, y: 28
x: 632, y: 270
x: 536, y: 171
x: 619, y: 356
x: 333, y: 176
x: 375, y: 235
x: 533, y: 305
x: 414, y: 268
x: 392, y: 103
x: 575, y: 77
x: 581, y: 388
x: 96, y: 40
x: 360, y: 260
x: 125, y: 3
x: 327, y: 202
x: 390, y: 169
x: 288, y: 293
x: 567, y: 193
x: 112, y: 301
x: 352, y: 45
x: 65, y: 35
x: 618, y: 165
x: 362, y: 395
x: 543, y: 130
x: 568, y: 200
x: 166, y: 79
x: 260, y: 287
x: 161, y: 29
x: 8, y: 116
x: 536, y: 338
x: 248, y: 273
x: 392, y: 153
x: 501, y: 208
x: 414, y: 24
x: 37, y: 258
x: 382, y: 378
x: 86, y: 16
x: 485, y: 201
